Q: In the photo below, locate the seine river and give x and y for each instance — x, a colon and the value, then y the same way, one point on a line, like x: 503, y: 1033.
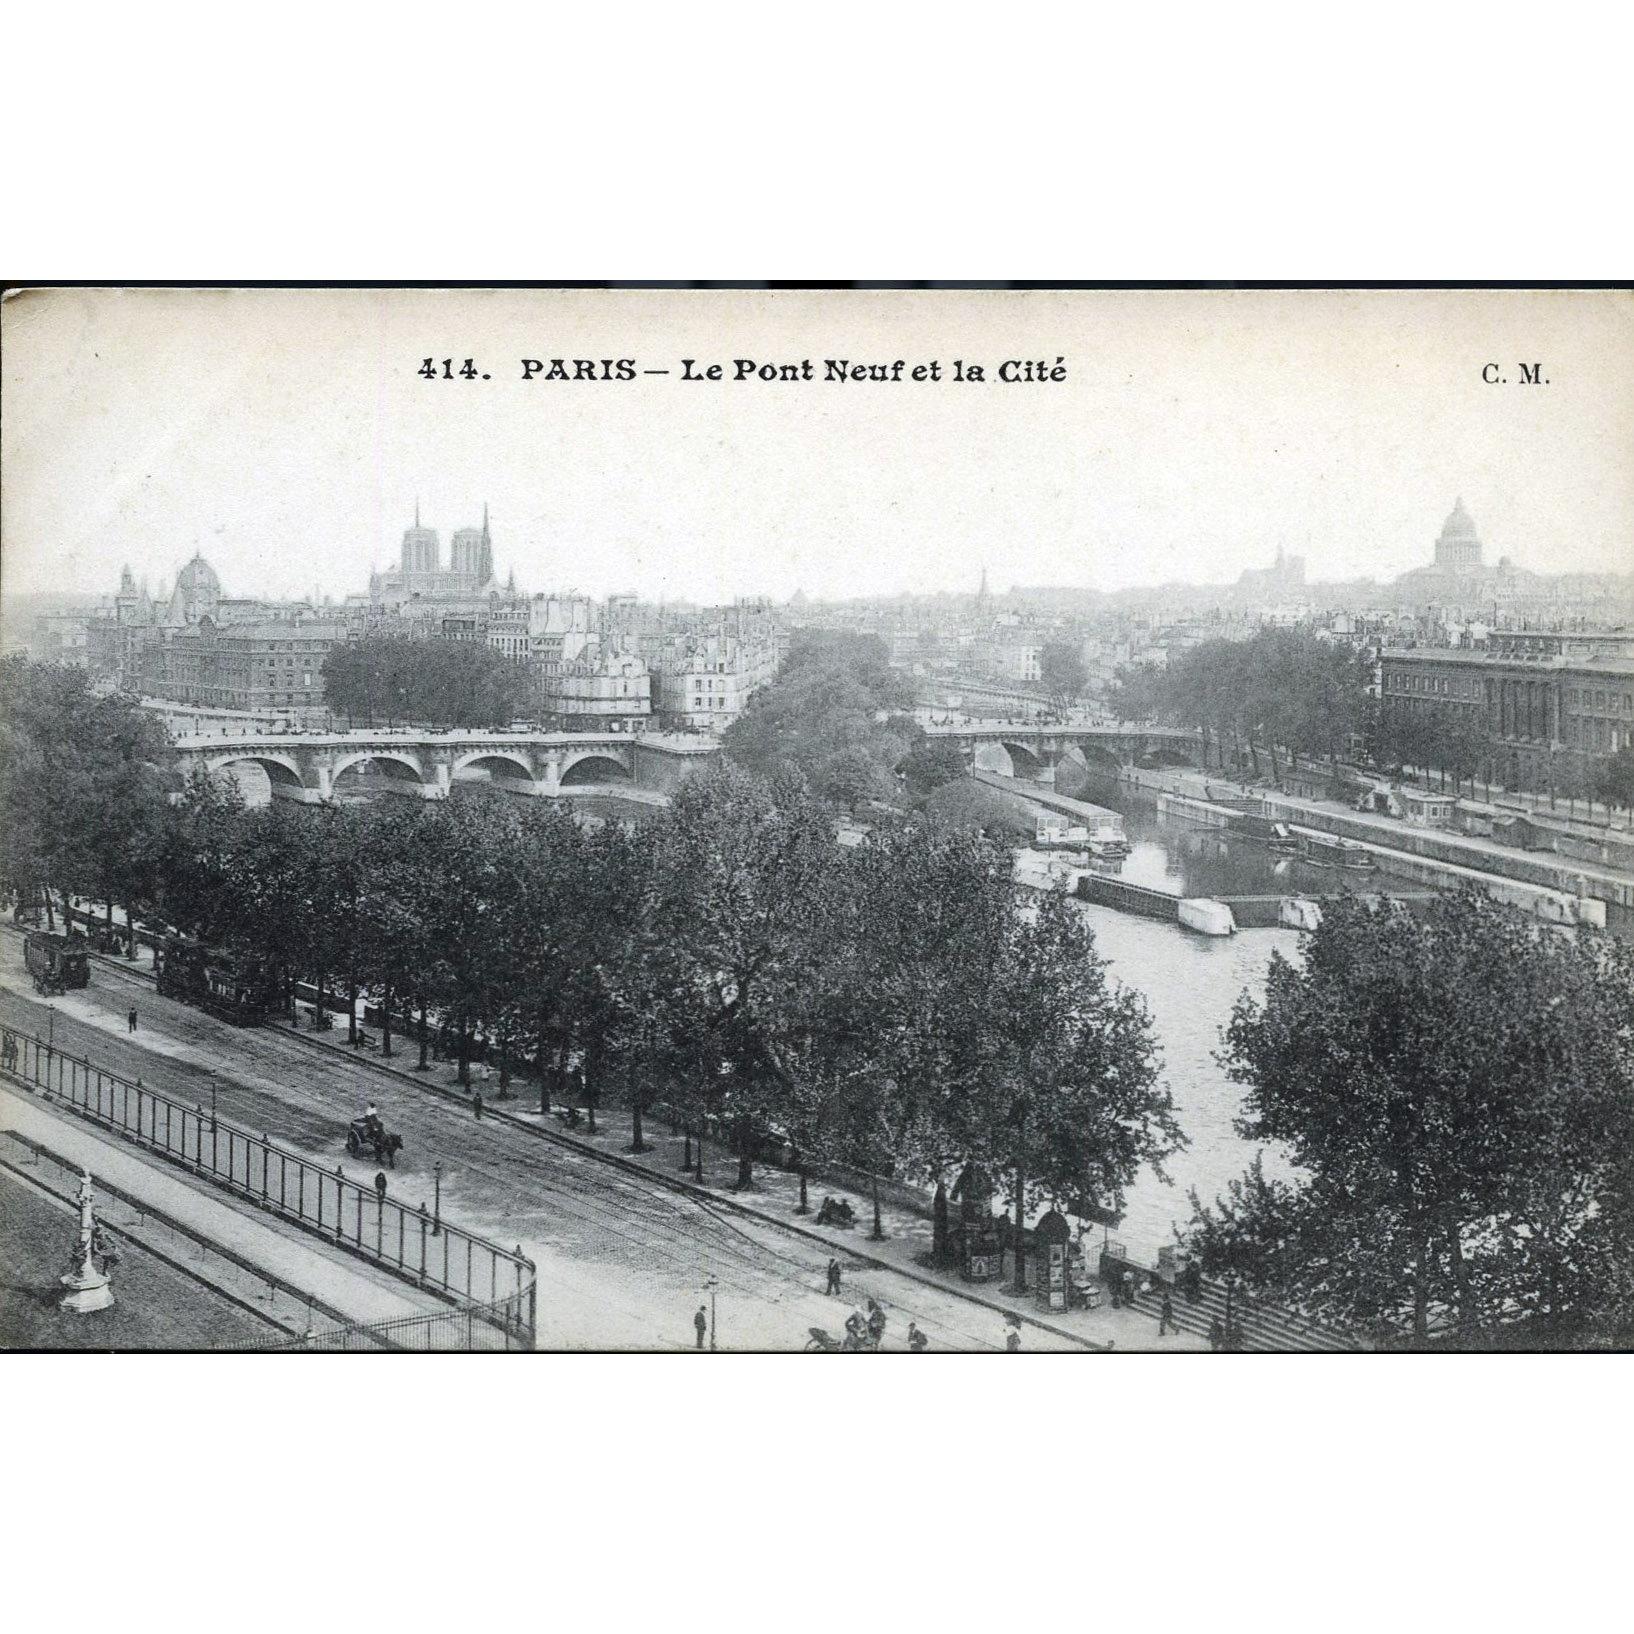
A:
x: 1190, y: 984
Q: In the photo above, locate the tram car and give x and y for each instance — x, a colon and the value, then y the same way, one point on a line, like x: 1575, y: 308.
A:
x: 56, y: 962
x: 228, y: 983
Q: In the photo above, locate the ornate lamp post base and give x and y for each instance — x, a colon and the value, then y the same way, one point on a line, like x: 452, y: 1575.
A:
x: 88, y: 1288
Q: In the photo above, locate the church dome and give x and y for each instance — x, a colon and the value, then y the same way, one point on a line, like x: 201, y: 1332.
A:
x: 198, y: 578
x: 1460, y: 524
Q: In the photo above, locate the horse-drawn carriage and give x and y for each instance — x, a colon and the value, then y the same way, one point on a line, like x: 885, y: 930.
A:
x: 371, y: 1135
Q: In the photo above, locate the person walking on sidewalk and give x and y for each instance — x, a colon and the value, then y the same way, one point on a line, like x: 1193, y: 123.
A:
x: 700, y: 1326
x: 916, y: 1339
x: 476, y: 1105
x: 1165, y: 1316
x: 130, y: 1020
x: 833, y: 1277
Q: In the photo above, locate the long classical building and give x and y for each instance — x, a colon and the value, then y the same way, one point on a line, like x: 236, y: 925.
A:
x: 209, y: 651
x: 1550, y: 703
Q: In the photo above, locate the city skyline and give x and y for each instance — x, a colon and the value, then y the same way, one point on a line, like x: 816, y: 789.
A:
x: 286, y: 436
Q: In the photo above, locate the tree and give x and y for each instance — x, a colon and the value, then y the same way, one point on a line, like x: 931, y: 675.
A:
x: 200, y: 861
x: 82, y: 779
x: 430, y: 680
x: 932, y: 765
x: 1614, y: 780
x: 1061, y: 668
x: 1281, y: 690
x: 835, y: 715
x: 976, y: 1036
x: 1456, y: 1092
x: 744, y: 868
x: 1072, y: 1108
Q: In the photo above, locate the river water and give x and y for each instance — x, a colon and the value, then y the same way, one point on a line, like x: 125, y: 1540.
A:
x: 1190, y: 984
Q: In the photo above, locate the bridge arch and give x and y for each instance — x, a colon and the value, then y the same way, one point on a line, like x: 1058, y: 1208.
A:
x: 594, y: 766
x: 1028, y: 762
x: 507, y: 761
x: 992, y: 756
x: 393, y: 762
x: 282, y: 772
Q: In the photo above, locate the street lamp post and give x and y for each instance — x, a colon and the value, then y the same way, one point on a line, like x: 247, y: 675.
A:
x: 437, y: 1196
x: 710, y: 1285
x: 212, y: 1106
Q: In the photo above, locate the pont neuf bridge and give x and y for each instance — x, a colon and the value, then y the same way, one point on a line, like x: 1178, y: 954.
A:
x: 305, y: 766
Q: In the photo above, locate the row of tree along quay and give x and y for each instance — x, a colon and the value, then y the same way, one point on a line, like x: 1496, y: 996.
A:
x: 1449, y: 1096
x: 1284, y: 694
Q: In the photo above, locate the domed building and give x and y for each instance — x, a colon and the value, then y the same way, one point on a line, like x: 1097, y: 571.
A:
x: 1458, y: 549
x: 197, y: 594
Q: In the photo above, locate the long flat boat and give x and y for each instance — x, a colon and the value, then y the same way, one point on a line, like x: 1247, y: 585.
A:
x: 1275, y: 836
x: 1332, y: 851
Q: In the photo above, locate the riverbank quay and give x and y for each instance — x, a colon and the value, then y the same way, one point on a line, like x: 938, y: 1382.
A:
x: 309, y: 1285
x: 1564, y: 892
x: 624, y: 1256
x: 507, y: 1190
x: 908, y: 1233
x: 773, y: 1198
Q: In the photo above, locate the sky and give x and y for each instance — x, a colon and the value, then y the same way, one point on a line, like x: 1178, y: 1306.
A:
x: 287, y: 436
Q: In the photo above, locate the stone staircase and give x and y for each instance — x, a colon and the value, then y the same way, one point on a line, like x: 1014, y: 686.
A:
x: 1261, y: 1327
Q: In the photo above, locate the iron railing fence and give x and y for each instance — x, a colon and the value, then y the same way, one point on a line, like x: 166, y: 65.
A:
x: 497, y: 1284
x: 469, y: 1328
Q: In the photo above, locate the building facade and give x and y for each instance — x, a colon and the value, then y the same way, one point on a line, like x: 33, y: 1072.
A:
x: 1550, y: 704
x: 611, y: 692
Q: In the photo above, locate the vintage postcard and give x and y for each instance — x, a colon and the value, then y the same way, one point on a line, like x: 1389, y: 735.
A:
x: 817, y: 820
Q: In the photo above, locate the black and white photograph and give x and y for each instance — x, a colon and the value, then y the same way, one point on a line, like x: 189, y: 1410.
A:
x: 849, y: 820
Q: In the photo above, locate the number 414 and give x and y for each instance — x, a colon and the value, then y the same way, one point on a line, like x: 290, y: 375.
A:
x: 433, y: 370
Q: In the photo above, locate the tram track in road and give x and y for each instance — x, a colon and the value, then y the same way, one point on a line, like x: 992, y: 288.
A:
x: 579, y: 1201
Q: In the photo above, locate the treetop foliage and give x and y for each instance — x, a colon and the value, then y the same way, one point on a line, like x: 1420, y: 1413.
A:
x: 428, y: 680
x: 1456, y: 1092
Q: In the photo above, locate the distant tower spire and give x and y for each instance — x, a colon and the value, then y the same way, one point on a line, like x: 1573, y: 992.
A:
x: 416, y: 510
x: 982, y: 593
x: 485, y: 520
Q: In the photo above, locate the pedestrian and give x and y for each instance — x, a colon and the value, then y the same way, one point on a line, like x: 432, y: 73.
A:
x: 700, y: 1326
x: 1012, y: 1341
x: 1216, y: 1334
x: 1129, y: 1289
x: 916, y: 1340
x: 1165, y: 1316
x: 876, y: 1323
x: 130, y: 1020
x: 476, y: 1105
x: 833, y: 1277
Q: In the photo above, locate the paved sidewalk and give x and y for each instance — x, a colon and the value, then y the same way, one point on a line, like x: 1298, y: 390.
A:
x: 296, y: 1260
